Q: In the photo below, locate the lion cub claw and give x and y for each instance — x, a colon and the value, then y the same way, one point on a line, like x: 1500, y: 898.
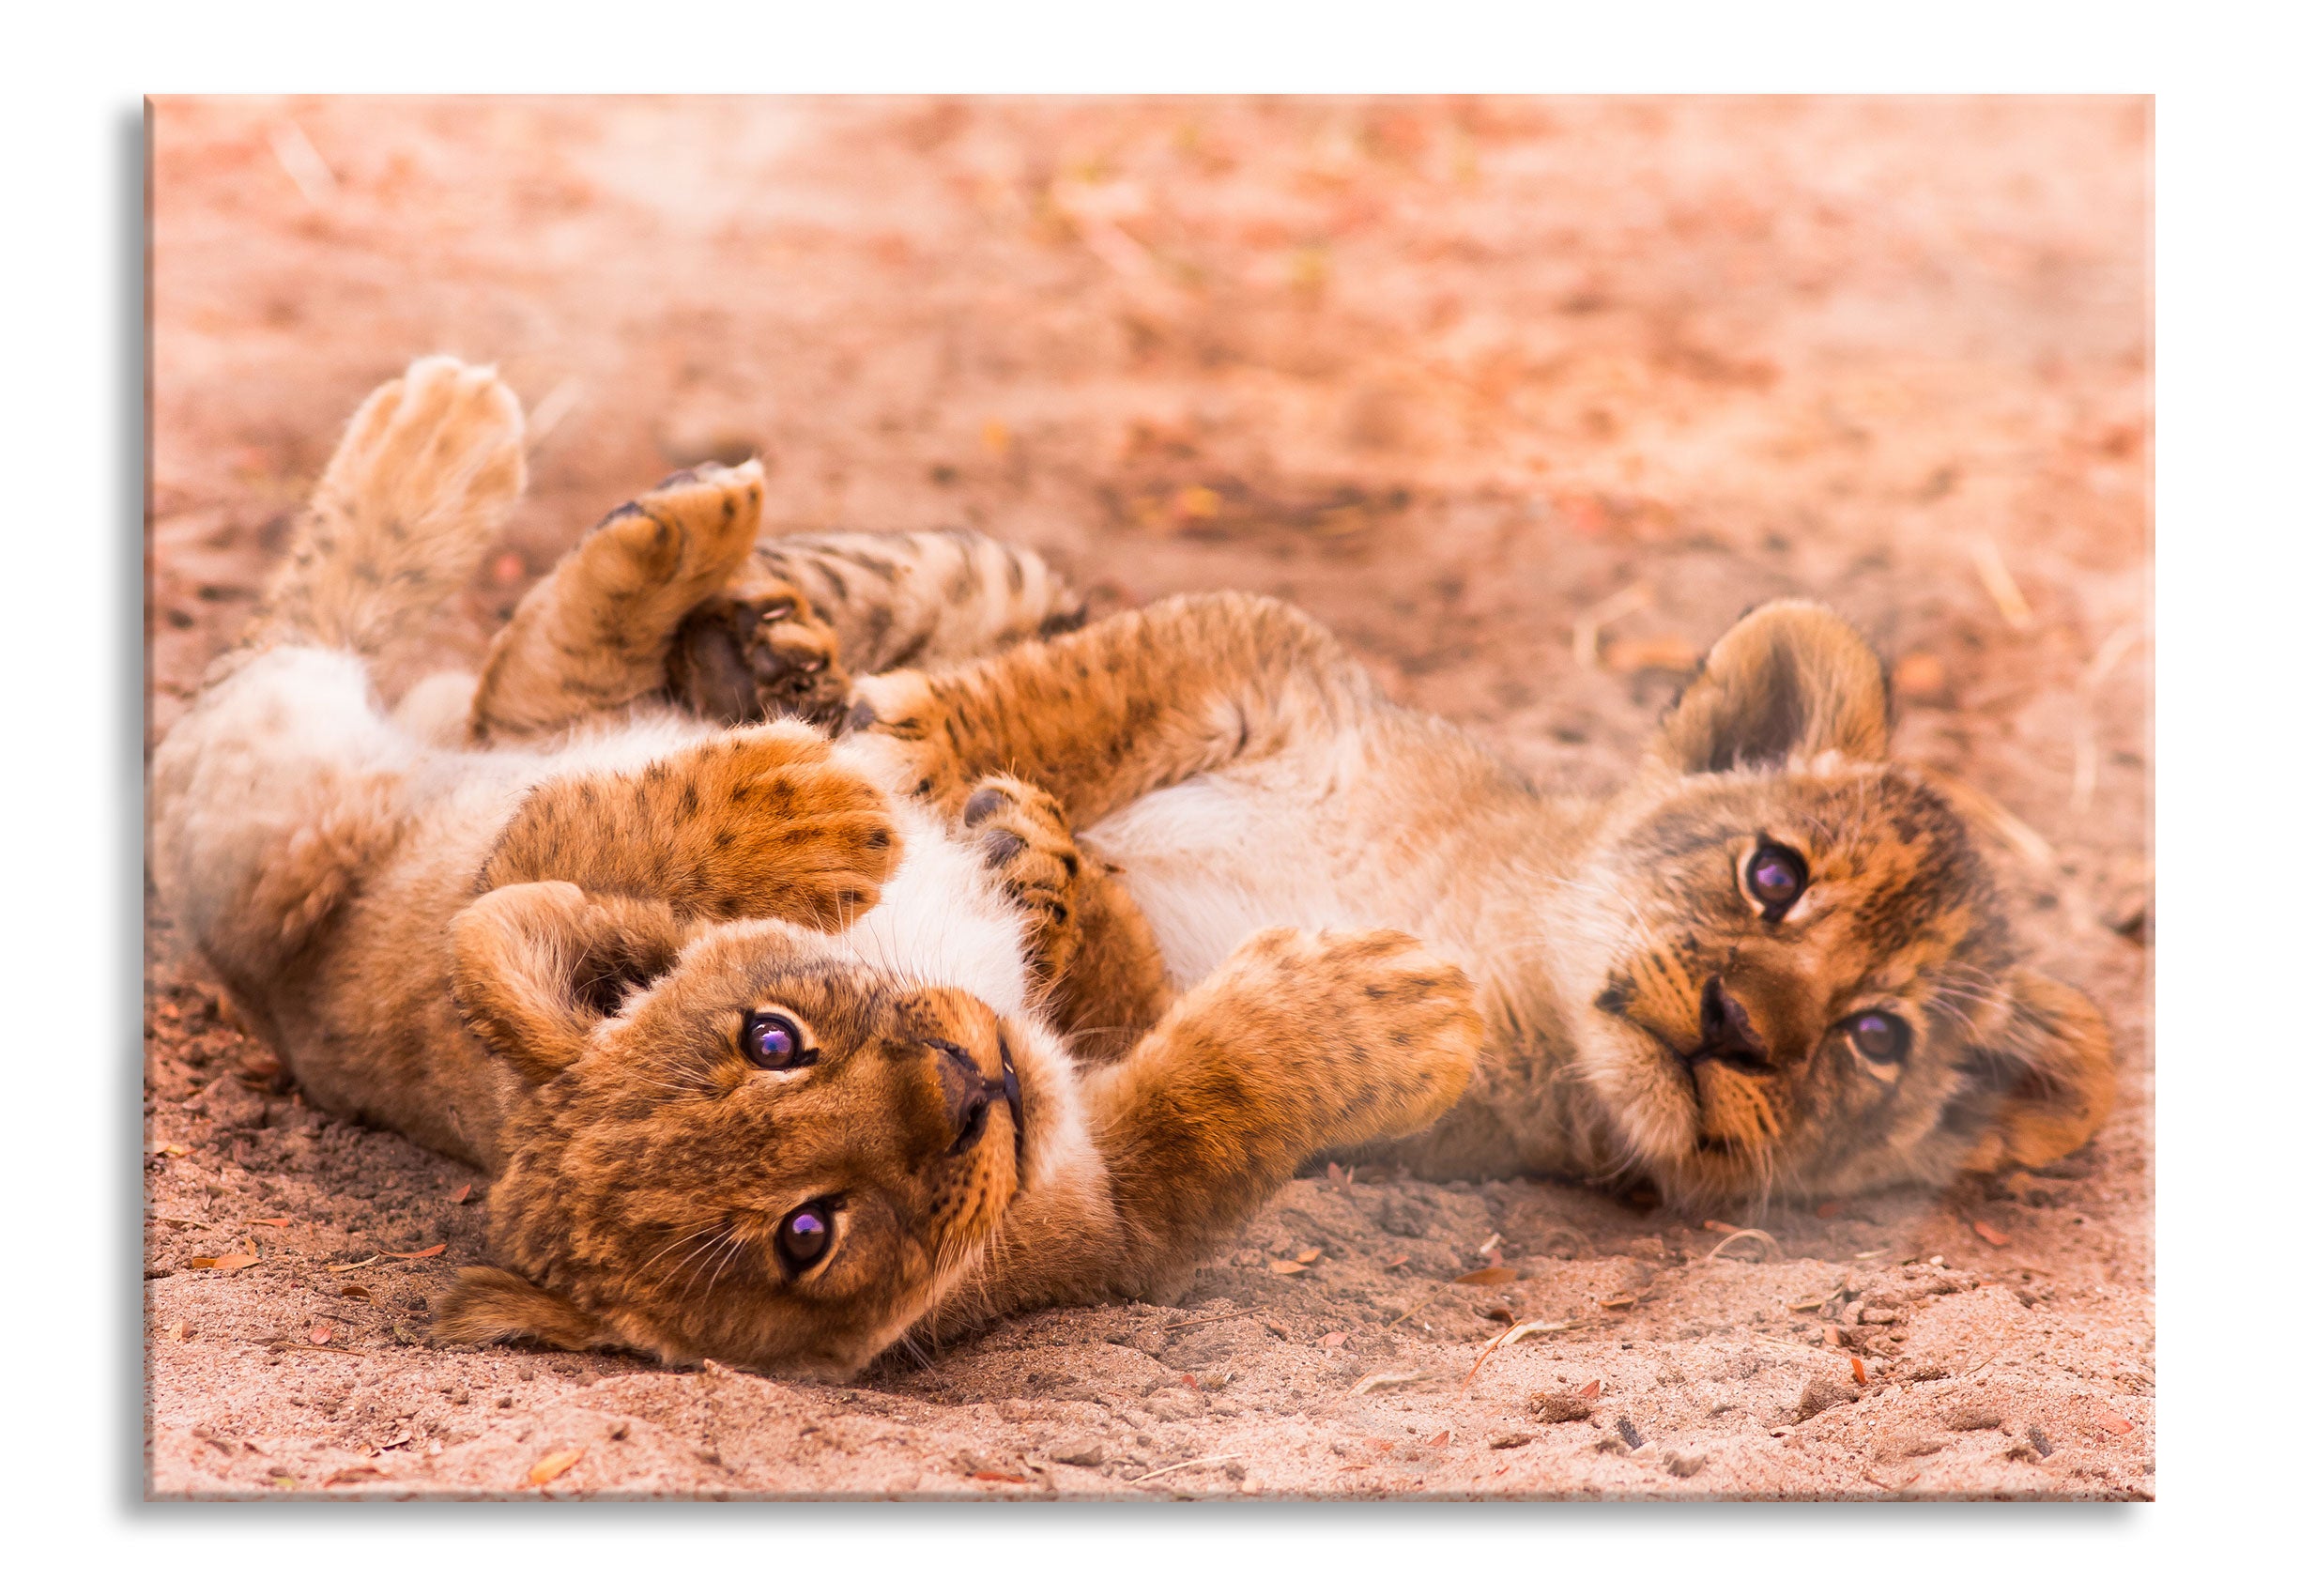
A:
x: 1027, y: 843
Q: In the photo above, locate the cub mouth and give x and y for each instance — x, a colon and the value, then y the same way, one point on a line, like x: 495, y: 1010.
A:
x: 1010, y: 1086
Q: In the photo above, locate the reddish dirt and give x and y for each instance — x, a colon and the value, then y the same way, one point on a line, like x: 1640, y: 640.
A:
x: 1451, y: 375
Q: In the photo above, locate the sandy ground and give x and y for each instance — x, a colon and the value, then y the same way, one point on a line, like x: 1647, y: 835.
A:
x: 1454, y: 376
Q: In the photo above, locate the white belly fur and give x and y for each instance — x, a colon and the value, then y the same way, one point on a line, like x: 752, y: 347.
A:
x: 1214, y: 859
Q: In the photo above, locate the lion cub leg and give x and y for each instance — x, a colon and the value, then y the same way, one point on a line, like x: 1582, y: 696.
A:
x: 1120, y: 708
x: 1297, y: 1042
x: 1093, y: 957
x: 593, y: 635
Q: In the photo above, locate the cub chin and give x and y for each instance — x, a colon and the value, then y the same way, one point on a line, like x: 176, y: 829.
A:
x: 749, y: 1034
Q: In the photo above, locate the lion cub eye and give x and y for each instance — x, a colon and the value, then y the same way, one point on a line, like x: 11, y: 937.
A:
x: 804, y: 1237
x: 1878, y: 1037
x: 772, y: 1041
x: 1776, y: 878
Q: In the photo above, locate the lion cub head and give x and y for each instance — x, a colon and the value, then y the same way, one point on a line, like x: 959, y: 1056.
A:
x: 730, y: 1139
x: 1798, y: 974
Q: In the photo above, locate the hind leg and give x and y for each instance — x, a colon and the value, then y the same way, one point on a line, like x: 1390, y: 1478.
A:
x: 426, y: 474
x: 593, y: 635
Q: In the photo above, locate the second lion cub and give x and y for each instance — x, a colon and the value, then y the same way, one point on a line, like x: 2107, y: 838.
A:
x: 1775, y: 962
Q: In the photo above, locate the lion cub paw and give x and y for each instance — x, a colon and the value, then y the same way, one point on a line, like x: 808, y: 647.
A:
x: 684, y: 536
x: 1026, y: 841
x: 898, y: 712
x: 1384, y: 1032
x: 754, y: 653
x: 441, y: 449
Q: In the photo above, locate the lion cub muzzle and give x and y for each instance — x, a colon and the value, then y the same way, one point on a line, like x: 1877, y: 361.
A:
x: 971, y: 1065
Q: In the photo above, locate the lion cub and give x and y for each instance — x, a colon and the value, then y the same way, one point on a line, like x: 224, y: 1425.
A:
x: 752, y: 1041
x: 1775, y: 962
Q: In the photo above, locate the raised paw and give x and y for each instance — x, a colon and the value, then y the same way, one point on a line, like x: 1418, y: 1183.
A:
x: 427, y: 472
x: 1383, y: 1032
x: 596, y: 633
x: 1027, y: 843
x: 758, y: 823
x: 756, y: 652
x: 440, y: 451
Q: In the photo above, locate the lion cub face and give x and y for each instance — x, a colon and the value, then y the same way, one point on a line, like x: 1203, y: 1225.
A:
x: 733, y: 1141
x: 1798, y: 974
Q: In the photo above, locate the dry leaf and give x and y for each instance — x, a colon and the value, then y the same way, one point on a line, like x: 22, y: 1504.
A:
x: 322, y: 1334
x: 1397, y: 1263
x: 1834, y: 1336
x: 173, y: 1150
x: 426, y: 1252
x: 177, y: 1331
x: 1990, y: 1234
x: 341, y: 1268
x: 997, y: 1479
x: 2117, y: 1425
x: 1379, y: 1382
x: 551, y: 1467
x: 1310, y: 1255
x: 1288, y: 1266
x: 1496, y: 1274
x: 276, y: 1224
x: 1860, y: 1375
x: 1443, y: 1438
x: 359, y: 1292
x: 1336, y: 1338
x: 1618, y: 1302
x: 227, y: 1264
x: 353, y: 1474
x: 1590, y: 1391
x: 1653, y: 653
x: 461, y: 1194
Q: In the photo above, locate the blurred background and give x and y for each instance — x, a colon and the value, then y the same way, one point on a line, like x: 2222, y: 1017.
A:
x: 1527, y: 398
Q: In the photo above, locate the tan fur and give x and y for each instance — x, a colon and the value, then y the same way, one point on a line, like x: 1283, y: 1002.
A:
x: 545, y: 957
x: 1648, y: 1018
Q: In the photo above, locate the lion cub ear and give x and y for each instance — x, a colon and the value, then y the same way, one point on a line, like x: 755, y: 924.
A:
x: 2053, y: 1070
x: 494, y: 1305
x: 1790, y: 680
x: 539, y: 965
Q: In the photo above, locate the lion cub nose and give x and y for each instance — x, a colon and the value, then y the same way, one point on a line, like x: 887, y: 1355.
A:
x: 949, y: 1034
x: 1727, y: 1034
x: 967, y: 1093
